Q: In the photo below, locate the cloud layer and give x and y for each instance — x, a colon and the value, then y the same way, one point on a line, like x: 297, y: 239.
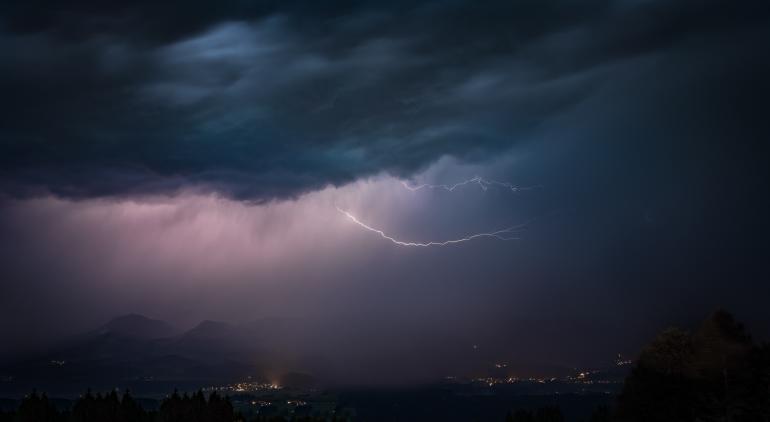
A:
x: 275, y: 99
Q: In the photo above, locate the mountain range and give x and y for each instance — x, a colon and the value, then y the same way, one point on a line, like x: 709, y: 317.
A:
x: 151, y: 356
x: 137, y: 352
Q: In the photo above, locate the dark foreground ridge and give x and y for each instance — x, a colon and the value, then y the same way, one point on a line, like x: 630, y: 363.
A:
x: 197, y: 407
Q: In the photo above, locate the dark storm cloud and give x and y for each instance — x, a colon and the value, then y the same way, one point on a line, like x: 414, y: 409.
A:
x: 271, y: 99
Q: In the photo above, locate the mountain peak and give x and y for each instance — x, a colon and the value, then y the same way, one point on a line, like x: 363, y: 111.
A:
x: 208, y: 329
x: 139, y: 326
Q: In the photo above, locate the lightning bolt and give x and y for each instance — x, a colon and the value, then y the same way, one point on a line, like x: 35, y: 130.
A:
x: 483, y: 183
x: 499, y: 234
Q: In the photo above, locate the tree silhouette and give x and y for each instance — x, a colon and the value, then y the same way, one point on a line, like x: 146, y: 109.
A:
x: 36, y: 408
x: 543, y: 414
x: 548, y: 414
x: 130, y: 410
x: 601, y: 414
x: 715, y: 374
x: 90, y: 408
x: 196, y: 408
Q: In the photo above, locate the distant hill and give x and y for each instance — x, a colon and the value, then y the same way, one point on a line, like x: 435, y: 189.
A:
x: 137, y: 351
x: 137, y: 326
x: 208, y: 330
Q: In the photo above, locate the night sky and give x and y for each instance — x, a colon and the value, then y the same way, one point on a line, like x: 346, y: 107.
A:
x: 188, y: 160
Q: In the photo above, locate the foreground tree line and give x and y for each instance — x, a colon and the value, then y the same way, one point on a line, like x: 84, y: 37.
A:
x: 112, y: 408
x: 543, y: 414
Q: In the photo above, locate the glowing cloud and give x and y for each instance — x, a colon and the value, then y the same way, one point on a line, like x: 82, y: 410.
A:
x: 498, y: 234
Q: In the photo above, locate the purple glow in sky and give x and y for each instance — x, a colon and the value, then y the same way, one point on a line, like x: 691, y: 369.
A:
x: 250, y: 160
